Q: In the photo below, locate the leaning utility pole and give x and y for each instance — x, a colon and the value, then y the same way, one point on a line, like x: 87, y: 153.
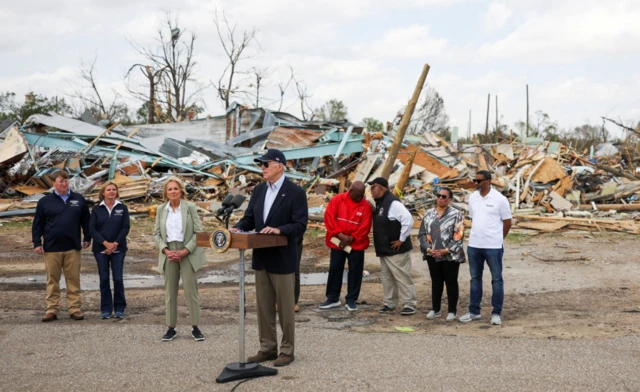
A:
x: 486, y: 128
x: 497, y: 122
x: 526, y: 131
x: 404, y: 124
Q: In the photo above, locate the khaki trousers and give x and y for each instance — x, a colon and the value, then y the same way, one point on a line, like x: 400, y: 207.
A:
x: 272, y: 289
x: 172, y: 273
x: 396, y: 279
x: 55, y: 263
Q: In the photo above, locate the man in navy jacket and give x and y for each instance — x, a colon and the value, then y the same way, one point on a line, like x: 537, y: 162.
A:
x: 58, y: 220
x: 277, y: 206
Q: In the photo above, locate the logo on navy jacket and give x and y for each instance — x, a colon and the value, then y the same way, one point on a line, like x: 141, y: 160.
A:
x: 74, y: 203
x: 118, y: 212
x: 381, y: 211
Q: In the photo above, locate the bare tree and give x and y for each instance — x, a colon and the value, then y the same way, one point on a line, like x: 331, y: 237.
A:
x: 89, y: 94
x: 430, y: 114
x: 282, y: 87
x: 234, y: 48
x: 153, y: 76
x: 174, y: 55
x: 256, y: 86
x: 306, y: 111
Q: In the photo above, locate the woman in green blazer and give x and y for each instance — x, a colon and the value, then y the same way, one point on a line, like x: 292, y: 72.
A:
x: 177, y: 223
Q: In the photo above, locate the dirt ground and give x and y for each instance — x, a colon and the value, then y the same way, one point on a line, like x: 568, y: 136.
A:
x: 575, y: 285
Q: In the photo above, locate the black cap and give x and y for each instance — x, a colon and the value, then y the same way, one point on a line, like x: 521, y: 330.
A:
x: 380, y: 181
x: 272, y: 155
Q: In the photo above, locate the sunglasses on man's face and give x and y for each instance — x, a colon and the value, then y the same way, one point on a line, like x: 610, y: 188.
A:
x: 266, y: 164
x: 443, y: 196
x: 477, y: 181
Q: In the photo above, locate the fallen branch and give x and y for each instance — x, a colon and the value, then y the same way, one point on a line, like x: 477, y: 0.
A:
x: 554, y: 260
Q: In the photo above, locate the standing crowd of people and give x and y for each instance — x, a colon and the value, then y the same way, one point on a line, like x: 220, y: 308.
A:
x: 63, y: 226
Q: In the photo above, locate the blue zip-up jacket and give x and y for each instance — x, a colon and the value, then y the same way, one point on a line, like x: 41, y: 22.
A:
x: 59, y: 223
x: 112, y: 227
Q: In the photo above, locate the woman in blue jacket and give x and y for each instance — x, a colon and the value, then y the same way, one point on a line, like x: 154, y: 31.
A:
x: 109, y: 226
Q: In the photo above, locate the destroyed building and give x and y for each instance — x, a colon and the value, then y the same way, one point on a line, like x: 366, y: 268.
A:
x: 550, y: 186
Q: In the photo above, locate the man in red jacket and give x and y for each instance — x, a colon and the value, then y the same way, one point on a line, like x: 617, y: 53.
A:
x: 348, y: 222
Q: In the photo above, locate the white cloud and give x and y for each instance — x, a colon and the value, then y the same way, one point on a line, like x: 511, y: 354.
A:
x: 414, y: 41
x: 570, y: 33
x: 496, y: 16
x: 367, y: 53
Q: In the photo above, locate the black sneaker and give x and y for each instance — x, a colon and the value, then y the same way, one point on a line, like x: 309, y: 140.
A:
x: 171, y: 333
x: 407, y: 311
x: 197, y: 335
x: 351, y: 306
x: 386, y: 309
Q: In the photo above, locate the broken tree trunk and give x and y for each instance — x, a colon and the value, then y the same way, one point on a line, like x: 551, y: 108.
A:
x: 611, y: 207
x: 404, y: 177
x: 606, y: 168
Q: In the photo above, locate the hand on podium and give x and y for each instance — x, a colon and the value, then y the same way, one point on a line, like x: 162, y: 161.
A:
x: 270, y: 230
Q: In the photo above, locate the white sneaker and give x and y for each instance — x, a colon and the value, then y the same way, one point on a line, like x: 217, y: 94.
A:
x: 431, y: 315
x: 451, y: 317
x: 469, y: 317
x: 496, y: 320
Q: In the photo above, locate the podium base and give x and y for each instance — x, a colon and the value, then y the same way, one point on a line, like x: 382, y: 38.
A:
x: 239, y: 371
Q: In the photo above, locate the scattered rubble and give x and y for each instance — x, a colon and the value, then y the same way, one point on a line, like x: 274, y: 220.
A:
x: 551, y: 186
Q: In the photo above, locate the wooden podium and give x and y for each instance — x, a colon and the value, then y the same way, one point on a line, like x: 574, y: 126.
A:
x: 242, y: 241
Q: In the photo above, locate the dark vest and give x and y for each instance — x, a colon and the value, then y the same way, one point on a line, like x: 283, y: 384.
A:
x: 385, y: 231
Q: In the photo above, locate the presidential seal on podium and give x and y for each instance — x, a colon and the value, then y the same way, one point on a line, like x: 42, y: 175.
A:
x: 220, y: 240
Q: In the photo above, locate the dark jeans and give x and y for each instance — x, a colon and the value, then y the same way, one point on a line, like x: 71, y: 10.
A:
x: 443, y: 272
x: 114, y: 261
x: 336, y: 271
x: 493, y: 257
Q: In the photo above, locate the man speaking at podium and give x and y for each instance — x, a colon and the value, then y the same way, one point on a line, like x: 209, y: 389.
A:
x: 277, y: 206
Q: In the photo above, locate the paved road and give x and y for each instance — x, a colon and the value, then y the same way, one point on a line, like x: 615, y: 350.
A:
x: 117, y: 356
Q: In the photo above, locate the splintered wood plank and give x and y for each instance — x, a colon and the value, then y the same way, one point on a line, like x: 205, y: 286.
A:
x: 545, y: 227
x: 14, y: 147
x: 550, y: 170
x: 424, y: 160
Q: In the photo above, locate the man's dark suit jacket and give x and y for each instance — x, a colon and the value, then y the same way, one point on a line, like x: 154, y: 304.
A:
x: 290, y: 214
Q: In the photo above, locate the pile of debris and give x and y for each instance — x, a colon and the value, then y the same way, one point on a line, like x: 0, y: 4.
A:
x: 550, y: 186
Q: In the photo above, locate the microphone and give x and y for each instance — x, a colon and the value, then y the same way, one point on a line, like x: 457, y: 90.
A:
x: 235, y: 203
x: 225, y: 204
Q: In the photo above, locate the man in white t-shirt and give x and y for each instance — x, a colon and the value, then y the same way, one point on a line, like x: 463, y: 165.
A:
x: 490, y: 213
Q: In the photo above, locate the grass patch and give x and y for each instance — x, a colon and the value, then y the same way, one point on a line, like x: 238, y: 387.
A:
x: 314, y: 233
x: 516, y: 238
x: 18, y: 223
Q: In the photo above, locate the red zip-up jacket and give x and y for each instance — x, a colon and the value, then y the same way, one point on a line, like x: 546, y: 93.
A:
x: 344, y: 215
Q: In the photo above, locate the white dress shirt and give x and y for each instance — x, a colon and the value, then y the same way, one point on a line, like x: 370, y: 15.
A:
x: 398, y: 212
x: 270, y: 196
x: 174, y: 224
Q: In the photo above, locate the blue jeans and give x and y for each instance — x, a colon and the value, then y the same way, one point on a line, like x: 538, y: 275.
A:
x: 116, y: 262
x: 493, y: 257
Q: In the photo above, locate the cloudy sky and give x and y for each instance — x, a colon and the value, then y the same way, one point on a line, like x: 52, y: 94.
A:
x: 581, y: 58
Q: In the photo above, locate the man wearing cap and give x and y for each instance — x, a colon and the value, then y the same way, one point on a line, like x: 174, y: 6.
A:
x: 490, y: 214
x: 348, y: 222
x: 277, y: 206
x: 59, y: 218
x: 392, y: 223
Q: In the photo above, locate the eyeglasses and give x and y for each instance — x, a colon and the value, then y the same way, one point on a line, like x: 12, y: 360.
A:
x: 443, y: 197
x: 479, y: 181
x: 265, y: 164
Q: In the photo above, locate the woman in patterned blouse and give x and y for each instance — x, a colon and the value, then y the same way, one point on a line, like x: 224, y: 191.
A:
x: 441, y: 235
